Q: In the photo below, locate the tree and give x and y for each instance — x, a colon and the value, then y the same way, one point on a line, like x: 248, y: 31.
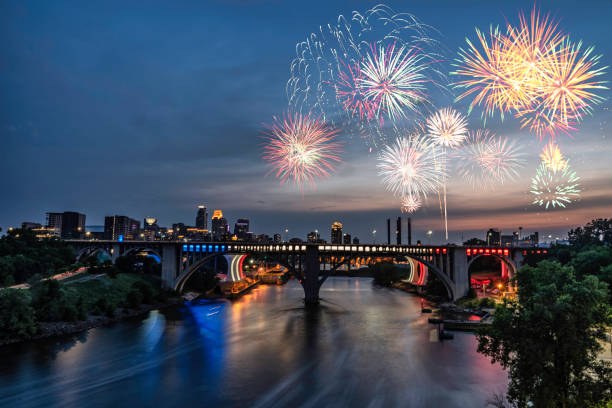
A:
x: 386, y: 273
x: 549, y: 338
x: 596, y: 232
x: 126, y: 263
x: 474, y: 242
x: 17, y: 317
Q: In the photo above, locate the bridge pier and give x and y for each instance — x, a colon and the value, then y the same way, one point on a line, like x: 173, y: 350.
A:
x: 170, y: 265
x: 310, y: 278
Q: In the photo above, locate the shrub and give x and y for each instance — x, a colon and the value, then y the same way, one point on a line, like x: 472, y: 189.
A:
x: 17, y: 317
x: 134, y: 298
x: 145, y: 290
x: 385, y: 273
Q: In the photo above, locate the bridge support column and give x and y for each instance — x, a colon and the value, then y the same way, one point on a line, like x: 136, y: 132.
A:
x: 310, y: 281
x: 461, y: 278
x: 170, y: 265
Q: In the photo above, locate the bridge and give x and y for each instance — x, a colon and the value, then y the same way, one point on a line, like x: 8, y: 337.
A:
x: 179, y: 260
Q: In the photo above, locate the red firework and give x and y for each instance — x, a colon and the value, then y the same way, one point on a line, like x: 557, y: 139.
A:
x: 301, y: 148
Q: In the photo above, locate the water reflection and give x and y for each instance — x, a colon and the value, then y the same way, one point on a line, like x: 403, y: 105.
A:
x: 364, y: 346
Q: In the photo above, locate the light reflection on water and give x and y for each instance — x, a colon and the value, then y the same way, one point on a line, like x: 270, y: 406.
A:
x: 365, y: 346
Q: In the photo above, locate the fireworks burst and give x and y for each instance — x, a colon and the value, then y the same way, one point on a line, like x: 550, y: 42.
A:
x: 392, y: 80
x: 412, y: 166
x: 411, y: 203
x: 554, y: 188
x: 301, y: 148
x: 552, y: 157
x: 349, y: 91
x: 447, y: 127
x: 488, y: 160
x: 327, y: 78
x: 533, y: 71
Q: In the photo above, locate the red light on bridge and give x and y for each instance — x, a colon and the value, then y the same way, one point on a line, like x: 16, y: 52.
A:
x: 537, y: 252
x: 506, y: 252
x: 437, y: 250
x: 468, y: 252
x: 480, y: 251
x: 487, y: 251
x: 545, y: 251
x: 443, y: 250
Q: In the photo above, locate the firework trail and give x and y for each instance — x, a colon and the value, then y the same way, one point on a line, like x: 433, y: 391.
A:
x: 326, y: 73
x: 301, y: 148
x: 532, y: 70
x: 448, y: 129
x: 554, y: 188
x: 412, y: 166
x: 487, y: 160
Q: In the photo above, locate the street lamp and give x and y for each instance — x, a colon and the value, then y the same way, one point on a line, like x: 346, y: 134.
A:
x: 429, y: 235
x: 374, y: 236
x: 286, y: 234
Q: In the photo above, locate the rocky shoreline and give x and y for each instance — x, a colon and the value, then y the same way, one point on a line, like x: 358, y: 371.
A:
x: 54, y: 329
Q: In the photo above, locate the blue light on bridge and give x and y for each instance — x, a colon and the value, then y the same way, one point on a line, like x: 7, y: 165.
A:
x: 216, y: 248
x: 184, y: 247
x: 210, y: 248
x: 198, y: 248
x: 120, y: 238
x: 190, y: 248
x: 222, y: 248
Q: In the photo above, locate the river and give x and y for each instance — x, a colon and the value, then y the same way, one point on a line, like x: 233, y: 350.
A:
x: 365, y: 347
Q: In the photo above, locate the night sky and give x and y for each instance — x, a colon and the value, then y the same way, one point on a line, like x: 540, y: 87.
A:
x: 151, y: 109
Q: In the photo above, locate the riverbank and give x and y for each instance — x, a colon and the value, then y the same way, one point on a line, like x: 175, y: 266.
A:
x: 453, y: 315
x: 57, y: 329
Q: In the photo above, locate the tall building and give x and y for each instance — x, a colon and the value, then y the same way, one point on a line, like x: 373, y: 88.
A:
x: 313, y: 237
x: 202, y: 218
x: 150, y: 229
x: 493, y: 237
x: 398, y: 231
x: 388, y: 231
x: 346, y: 239
x: 336, y: 233
x: 120, y: 227
x: 241, y: 229
x: 355, y: 240
x: 68, y: 225
x: 218, y: 226
x: 507, y: 241
x: 54, y: 222
x: 277, y: 238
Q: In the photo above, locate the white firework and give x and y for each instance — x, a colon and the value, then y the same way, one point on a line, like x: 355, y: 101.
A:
x: 447, y: 127
x: 411, y: 203
x: 554, y: 188
x: 393, y: 81
x: 486, y: 160
x: 412, y: 165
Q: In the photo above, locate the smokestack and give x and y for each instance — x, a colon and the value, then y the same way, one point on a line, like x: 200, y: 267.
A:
x: 409, y: 232
x: 398, y: 231
x: 388, y: 231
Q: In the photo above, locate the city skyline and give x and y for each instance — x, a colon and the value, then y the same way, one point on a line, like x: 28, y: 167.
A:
x: 155, y: 121
x: 378, y: 235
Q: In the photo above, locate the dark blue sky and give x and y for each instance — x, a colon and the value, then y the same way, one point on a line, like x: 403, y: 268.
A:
x: 150, y: 109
